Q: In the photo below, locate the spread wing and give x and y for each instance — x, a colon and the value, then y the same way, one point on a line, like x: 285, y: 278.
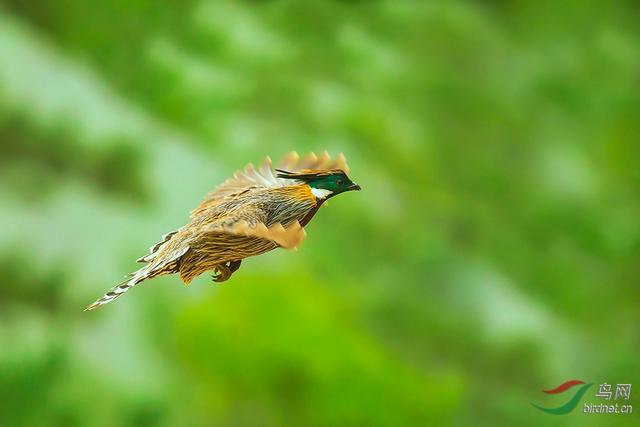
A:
x: 263, y: 176
x: 288, y: 238
x: 252, y: 223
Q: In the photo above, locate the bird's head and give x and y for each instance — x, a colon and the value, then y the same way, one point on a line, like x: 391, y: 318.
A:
x: 324, y: 183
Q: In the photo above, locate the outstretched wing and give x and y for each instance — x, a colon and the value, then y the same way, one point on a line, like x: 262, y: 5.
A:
x: 292, y: 162
x: 263, y: 176
x: 288, y: 238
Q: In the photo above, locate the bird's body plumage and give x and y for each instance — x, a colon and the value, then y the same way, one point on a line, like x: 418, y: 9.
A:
x: 253, y: 212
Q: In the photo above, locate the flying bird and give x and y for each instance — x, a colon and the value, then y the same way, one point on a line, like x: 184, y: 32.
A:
x: 253, y: 212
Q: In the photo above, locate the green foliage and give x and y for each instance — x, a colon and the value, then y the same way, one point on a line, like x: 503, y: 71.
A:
x: 492, y: 253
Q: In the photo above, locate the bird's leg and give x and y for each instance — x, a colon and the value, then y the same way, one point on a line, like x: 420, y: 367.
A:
x: 223, y: 272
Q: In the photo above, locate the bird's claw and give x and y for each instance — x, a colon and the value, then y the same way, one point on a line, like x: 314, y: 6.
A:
x: 221, y: 273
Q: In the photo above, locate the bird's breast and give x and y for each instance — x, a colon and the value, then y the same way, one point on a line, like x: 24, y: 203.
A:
x: 292, y: 203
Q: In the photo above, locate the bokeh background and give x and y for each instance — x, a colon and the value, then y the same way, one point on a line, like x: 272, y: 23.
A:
x: 494, y: 251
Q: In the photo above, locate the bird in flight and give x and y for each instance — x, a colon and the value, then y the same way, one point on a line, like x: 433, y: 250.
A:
x: 253, y: 212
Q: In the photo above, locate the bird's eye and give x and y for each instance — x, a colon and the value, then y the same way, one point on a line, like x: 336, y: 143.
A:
x: 340, y: 181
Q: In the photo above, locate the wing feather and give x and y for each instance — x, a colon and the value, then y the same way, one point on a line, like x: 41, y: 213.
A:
x: 264, y: 177
x: 288, y: 238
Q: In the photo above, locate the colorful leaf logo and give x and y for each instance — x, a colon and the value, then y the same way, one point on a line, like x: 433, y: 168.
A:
x: 572, y: 403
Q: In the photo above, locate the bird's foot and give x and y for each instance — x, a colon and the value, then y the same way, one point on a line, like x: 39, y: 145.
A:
x: 223, y: 272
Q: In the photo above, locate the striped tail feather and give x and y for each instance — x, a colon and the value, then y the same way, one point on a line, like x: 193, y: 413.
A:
x: 120, y: 289
x: 155, y: 249
x: 155, y: 268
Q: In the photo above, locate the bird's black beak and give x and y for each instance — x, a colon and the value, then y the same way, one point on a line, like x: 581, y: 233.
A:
x: 354, y: 187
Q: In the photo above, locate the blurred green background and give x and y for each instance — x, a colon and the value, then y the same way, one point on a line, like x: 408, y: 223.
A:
x: 494, y: 251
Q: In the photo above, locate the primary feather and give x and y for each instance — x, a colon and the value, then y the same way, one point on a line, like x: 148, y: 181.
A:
x: 253, y: 212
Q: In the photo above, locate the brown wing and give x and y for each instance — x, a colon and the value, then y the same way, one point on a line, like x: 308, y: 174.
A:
x: 252, y: 178
x: 292, y: 162
x: 287, y: 238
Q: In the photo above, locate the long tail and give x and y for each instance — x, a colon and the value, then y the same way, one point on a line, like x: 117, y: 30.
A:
x: 136, y: 278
